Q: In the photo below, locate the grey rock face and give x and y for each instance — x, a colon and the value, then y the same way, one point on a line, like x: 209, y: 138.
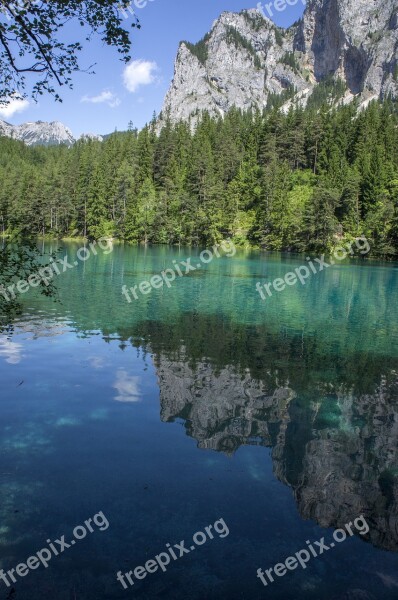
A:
x: 243, y: 406
x: 245, y: 57
x: 339, y: 455
x: 38, y: 133
x: 6, y: 129
x: 356, y: 41
x: 86, y: 137
x: 349, y: 468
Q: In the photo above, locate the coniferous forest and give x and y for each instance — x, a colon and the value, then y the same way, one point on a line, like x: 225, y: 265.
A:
x: 300, y: 181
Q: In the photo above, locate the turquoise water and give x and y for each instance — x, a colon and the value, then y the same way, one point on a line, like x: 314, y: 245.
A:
x: 198, y: 403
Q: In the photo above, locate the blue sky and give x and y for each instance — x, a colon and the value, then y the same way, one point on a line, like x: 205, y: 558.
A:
x: 107, y: 101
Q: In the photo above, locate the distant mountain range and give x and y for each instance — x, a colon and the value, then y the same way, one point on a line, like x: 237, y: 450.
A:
x: 41, y: 133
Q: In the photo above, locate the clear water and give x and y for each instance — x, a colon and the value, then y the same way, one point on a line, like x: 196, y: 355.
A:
x: 196, y: 403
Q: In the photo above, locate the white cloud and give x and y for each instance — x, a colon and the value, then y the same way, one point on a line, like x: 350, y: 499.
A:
x: 138, y: 73
x: 105, y: 97
x: 15, y: 105
x: 127, y: 386
x: 10, y: 350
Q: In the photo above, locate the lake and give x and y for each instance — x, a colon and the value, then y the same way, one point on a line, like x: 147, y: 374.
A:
x: 201, y: 404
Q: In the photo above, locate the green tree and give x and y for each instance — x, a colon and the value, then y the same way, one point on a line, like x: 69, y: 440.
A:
x: 30, y: 41
x: 20, y: 259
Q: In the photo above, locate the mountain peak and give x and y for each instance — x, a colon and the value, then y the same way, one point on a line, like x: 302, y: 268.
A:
x: 246, y: 60
x: 38, y: 133
x: 41, y: 133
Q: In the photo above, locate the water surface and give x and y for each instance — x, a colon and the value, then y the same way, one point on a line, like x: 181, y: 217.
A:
x: 196, y: 403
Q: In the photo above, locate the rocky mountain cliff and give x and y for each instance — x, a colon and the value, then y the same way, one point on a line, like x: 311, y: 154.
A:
x: 246, y: 60
x: 40, y: 133
x: 338, y: 454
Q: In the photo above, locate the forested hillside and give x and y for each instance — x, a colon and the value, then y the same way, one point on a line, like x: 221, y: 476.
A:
x: 298, y: 182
